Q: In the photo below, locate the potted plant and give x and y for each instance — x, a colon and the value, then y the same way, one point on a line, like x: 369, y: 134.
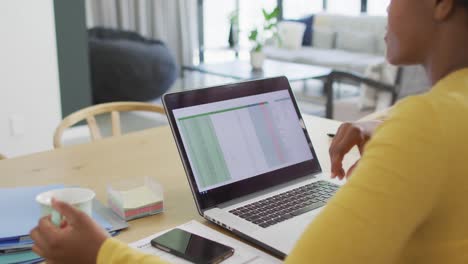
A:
x: 258, y: 36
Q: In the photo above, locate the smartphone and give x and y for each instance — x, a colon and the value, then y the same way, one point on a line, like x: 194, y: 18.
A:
x: 192, y: 247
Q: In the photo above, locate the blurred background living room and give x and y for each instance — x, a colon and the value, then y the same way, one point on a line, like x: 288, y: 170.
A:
x: 65, y: 55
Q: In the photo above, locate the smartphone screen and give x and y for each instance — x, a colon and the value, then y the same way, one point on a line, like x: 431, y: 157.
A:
x: 192, y: 247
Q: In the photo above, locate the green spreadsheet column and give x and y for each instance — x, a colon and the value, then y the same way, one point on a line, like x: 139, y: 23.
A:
x: 204, y: 150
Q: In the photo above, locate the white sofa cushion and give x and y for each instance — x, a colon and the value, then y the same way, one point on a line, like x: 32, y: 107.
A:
x: 291, y: 34
x: 340, y: 59
x: 323, y: 38
x: 363, y: 23
x: 276, y: 53
x: 333, y: 58
x: 362, y: 42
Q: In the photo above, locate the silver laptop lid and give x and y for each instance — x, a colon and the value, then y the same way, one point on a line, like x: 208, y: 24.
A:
x: 238, y: 139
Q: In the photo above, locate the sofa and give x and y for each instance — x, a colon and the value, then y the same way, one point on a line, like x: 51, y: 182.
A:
x: 351, y: 44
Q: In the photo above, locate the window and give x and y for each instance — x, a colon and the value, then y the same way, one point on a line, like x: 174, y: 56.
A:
x: 250, y: 16
x: 347, y: 7
x: 216, y: 22
x: 216, y: 26
x: 293, y: 9
x: 377, y: 7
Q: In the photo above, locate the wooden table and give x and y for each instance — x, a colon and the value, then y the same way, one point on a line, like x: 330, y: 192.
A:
x: 150, y: 152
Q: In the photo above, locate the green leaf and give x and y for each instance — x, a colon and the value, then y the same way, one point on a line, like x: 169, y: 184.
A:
x: 269, y: 16
x: 253, y: 35
x: 275, y: 13
x: 270, y: 26
x: 265, y: 14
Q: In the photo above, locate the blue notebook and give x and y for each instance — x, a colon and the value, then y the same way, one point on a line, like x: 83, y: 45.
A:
x: 21, y: 213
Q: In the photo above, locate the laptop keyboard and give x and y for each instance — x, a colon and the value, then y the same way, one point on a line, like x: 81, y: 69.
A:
x: 281, y: 207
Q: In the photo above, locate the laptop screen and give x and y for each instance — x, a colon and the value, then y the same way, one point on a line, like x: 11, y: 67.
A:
x: 238, y: 139
x: 232, y: 140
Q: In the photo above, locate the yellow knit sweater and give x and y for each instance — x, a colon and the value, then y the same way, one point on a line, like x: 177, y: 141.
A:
x: 407, y: 201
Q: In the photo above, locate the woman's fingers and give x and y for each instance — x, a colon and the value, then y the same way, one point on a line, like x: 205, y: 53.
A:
x: 40, y: 244
x: 341, y: 174
x: 347, y: 136
x: 36, y: 249
x: 47, y: 230
x: 336, y: 156
x: 71, y: 213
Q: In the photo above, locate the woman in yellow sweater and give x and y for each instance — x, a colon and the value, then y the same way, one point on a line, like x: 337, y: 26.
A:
x: 406, y: 199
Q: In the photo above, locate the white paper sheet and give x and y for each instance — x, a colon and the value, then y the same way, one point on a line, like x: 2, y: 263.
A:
x: 243, y: 253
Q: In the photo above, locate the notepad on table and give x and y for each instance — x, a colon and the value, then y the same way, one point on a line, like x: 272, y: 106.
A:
x: 136, y: 199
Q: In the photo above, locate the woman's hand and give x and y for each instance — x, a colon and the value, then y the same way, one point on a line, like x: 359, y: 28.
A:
x: 348, y: 136
x: 77, y: 240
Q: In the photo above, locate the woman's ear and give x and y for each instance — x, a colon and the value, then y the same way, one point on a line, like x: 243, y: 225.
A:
x: 443, y: 9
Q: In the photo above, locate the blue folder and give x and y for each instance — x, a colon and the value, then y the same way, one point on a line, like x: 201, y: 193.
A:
x: 21, y: 213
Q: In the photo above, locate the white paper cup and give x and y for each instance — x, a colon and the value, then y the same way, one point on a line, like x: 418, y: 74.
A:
x: 80, y: 198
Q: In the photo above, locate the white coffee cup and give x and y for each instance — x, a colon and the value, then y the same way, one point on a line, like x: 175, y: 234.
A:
x: 80, y: 198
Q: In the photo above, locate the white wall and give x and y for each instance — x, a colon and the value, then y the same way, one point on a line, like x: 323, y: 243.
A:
x: 29, y: 82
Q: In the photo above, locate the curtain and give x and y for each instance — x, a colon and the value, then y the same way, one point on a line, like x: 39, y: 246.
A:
x: 172, y: 21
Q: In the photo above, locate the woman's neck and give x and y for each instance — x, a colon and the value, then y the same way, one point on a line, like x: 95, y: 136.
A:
x: 441, y: 66
x: 449, y: 51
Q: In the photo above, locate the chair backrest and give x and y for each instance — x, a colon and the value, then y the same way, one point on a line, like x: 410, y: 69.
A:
x: 89, y: 114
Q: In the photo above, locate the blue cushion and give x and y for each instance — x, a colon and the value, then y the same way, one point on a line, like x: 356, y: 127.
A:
x: 308, y: 21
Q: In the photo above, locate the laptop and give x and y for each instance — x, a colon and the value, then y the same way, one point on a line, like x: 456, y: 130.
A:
x: 249, y: 161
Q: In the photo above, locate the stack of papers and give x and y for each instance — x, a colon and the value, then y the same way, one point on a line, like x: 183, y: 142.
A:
x: 243, y: 253
x: 21, y: 213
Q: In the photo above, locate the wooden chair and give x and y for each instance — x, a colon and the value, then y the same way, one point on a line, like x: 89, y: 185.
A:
x: 89, y: 114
